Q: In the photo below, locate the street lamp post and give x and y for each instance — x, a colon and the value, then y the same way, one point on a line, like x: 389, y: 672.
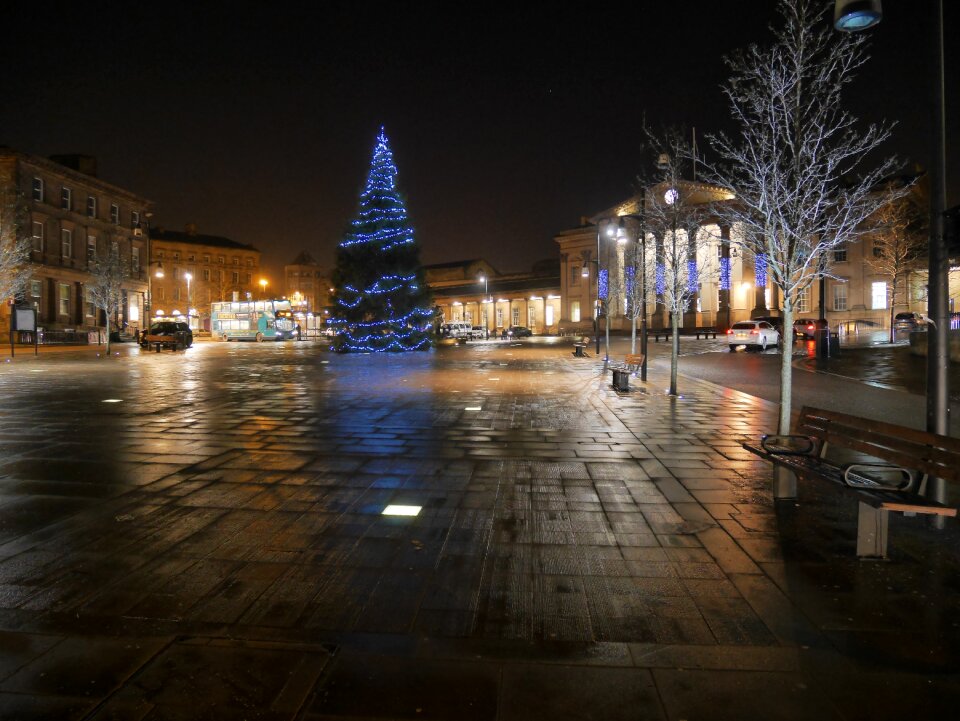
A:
x: 642, y: 244
x: 853, y: 16
x: 486, y: 301
x: 188, y: 278
x: 263, y: 288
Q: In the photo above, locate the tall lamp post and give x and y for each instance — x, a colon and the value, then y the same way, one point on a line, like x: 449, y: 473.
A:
x: 263, y: 288
x: 852, y: 16
x: 642, y: 245
x: 486, y: 301
x: 188, y: 277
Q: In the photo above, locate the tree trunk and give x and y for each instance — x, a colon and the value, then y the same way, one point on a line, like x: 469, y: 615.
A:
x: 786, y: 367
x: 633, y: 335
x: 674, y: 351
x: 893, y: 307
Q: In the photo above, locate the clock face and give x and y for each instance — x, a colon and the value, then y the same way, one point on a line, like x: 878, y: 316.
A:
x: 671, y: 196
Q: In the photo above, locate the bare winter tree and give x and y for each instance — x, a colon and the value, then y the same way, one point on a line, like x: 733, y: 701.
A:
x: 899, y: 243
x: 680, y: 236
x: 14, y: 246
x: 105, y: 289
x: 797, y: 162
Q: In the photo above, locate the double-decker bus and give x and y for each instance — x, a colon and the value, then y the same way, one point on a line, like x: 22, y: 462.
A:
x: 257, y: 320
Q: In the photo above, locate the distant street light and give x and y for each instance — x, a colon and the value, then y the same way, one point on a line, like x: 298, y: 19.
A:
x: 263, y: 288
x: 486, y: 327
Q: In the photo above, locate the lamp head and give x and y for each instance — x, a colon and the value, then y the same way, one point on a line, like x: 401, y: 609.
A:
x: 855, y: 15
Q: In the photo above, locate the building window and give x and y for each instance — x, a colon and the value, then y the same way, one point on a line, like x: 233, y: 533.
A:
x: 206, y: 274
x: 249, y: 278
x: 36, y: 293
x: 135, y: 259
x: 249, y: 262
x: 548, y: 311
x: 91, y: 249
x: 176, y: 293
x: 575, y: 311
x: 89, y: 308
x: 879, y: 294
x: 220, y: 259
x: 235, y: 260
x: 38, y: 189
x: 499, y: 317
x: 515, y: 316
x: 91, y: 206
x: 191, y: 258
x: 38, y: 236
x: 839, y: 296
x: 176, y: 256
x: 159, y: 255
x: 134, y: 218
x: 63, y: 298
x: 878, y: 251
x: 206, y: 257
x: 176, y: 274
x: 162, y: 293
x: 114, y: 213
x: 803, y: 300
x: 66, y: 198
x: 235, y: 277
x: 66, y: 243
x: 840, y: 254
x: 575, y: 272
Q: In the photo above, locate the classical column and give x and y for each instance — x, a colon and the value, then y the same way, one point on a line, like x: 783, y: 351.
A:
x: 725, y: 281
x: 690, y: 312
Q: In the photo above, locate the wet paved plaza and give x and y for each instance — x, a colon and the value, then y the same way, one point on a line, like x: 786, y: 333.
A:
x: 213, y: 546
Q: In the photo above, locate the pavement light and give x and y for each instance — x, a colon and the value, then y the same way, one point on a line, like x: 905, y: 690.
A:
x: 473, y: 408
x: 112, y: 400
x: 36, y: 370
x: 493, y: 379
x: 402, y: 510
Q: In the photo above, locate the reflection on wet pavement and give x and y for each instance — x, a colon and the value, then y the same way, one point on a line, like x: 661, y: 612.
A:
x: 214, y: 543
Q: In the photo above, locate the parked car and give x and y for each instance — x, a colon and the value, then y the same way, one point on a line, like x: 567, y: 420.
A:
x: 167, y: 334
x: 805, y: 328
x: 757, y: 333
x: 908, y: 321
x: 478, y: 332
x: 457, y: 329
x: 517, y: 331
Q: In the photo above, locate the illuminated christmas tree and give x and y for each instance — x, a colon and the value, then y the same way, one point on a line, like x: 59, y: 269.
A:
x: 382, y: 302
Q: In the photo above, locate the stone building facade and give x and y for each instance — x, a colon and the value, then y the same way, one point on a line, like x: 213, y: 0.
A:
x: 72, y: 217
x: 475, y: 292
x: 197, y: 270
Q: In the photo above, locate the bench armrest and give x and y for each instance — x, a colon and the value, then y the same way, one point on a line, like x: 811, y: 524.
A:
x: 879, y: 476
x: 788, y: 445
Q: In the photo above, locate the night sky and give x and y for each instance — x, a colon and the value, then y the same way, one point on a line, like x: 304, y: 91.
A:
x: 256, y: 122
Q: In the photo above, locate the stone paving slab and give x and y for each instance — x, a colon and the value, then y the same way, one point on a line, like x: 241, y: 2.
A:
x: 579, y: 551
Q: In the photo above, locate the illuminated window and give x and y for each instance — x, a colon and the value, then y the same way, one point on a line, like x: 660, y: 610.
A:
x: 499, y: 317
x: 549, y: 319
x: 63, y: 298
x: 575, y: 311
x: 515, y: 316
x: 879, y: 295
x: 803, y: 300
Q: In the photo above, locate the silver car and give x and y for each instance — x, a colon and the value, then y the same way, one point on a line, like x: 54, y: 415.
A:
x: 757, y: 333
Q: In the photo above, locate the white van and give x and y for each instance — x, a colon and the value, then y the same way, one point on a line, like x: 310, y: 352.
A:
x: 457, y: 329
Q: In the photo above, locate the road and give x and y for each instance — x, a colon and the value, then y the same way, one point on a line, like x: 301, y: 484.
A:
x: 758, y: 374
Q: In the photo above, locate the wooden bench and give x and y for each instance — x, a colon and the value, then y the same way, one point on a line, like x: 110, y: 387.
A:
x: 622, y: 371
x: 707, y: 332
x: 580, y: 346
x: 882, y: 465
